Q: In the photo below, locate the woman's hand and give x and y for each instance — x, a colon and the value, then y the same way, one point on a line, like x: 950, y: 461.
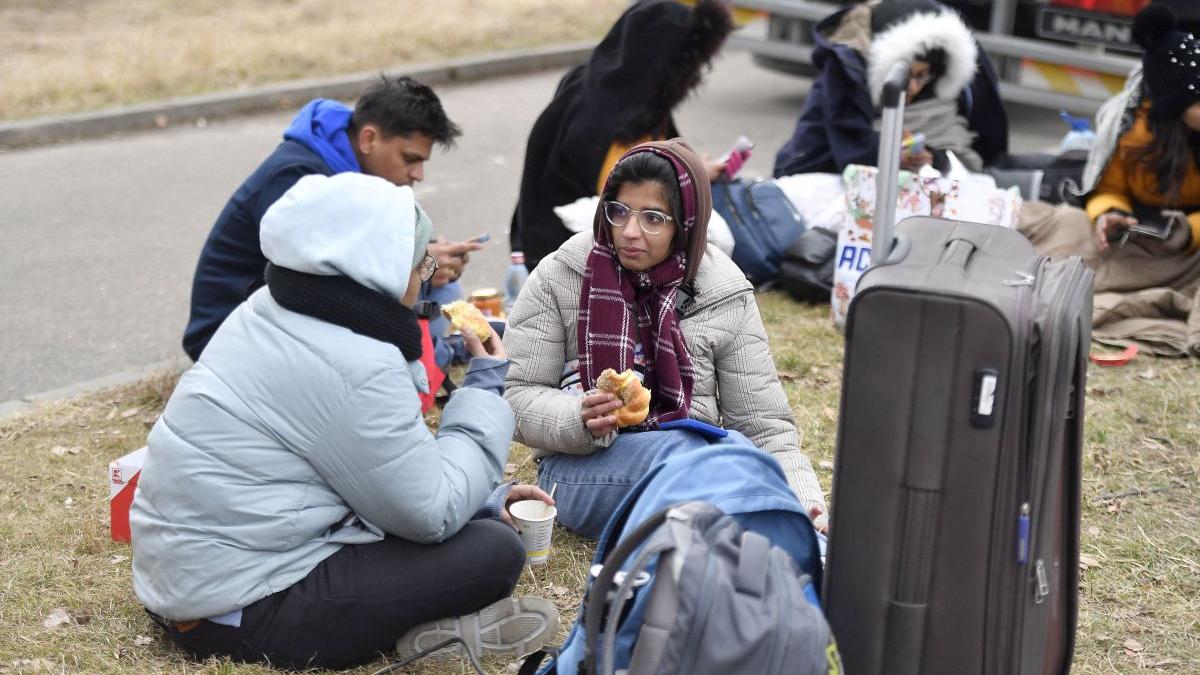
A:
x: 492, y: 347
x: 915, y: 161
x: 712, y: 167
x: 814, y: 513
x: 597, y: 411
x: 520, y: 493
x: 1112, y: 222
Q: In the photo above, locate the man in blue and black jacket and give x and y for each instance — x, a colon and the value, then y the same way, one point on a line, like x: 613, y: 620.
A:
x: 390, y: 133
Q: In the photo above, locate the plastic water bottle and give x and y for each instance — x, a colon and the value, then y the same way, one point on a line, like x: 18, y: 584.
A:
x: 514, y: 280
x: 1080, y: 138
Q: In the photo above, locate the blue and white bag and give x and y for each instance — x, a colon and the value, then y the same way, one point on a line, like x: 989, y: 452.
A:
x: 710, y: 566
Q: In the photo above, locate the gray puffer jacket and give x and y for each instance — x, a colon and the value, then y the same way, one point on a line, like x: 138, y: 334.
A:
x: 292, y: 437
x: 735, y: 385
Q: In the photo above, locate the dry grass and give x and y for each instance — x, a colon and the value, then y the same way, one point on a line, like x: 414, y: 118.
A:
x: 78, y: 55
x: 1140, y: 595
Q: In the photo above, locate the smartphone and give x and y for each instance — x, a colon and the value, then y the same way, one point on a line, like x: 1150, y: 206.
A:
x: 482, y: 239
x: 912, y: 144
x: 737, y: 156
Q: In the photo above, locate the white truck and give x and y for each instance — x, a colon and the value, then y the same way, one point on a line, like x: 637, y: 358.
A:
x: 1059, y: 54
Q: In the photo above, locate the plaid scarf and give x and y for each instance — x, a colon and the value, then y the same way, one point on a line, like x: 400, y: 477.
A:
x: 619, y: 308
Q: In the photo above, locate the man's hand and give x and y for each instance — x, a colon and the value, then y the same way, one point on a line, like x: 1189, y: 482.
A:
x: 520, y: 493
x: 492, y: 346
x: 597, y: 411
x: 452, y: 257
x: 1111, y: 223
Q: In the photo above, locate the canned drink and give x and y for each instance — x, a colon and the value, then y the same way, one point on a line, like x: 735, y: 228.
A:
x: 488, y: 301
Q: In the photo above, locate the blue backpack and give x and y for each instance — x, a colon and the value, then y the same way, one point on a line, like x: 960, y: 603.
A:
x: 752, y: 548
x: 763, y: 222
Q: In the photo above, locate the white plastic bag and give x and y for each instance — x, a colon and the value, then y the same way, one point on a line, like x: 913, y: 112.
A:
x: 819, y: 198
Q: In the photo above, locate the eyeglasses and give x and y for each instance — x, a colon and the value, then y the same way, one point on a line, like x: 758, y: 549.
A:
x: 922, y: 78
x: 429, y: 267
x: 650, y: 221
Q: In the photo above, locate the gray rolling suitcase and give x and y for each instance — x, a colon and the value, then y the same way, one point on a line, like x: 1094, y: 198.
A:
x: 954, y: 533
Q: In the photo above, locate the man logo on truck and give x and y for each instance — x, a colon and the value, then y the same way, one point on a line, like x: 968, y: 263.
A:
x: 1078, y: 28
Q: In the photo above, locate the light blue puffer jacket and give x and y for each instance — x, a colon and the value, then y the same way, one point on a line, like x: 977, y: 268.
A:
x: 288, y: 426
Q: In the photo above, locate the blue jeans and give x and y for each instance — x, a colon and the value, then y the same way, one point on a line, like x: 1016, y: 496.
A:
x: 591, y: 487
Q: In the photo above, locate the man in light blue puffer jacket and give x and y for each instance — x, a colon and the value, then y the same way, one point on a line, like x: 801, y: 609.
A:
x: 294, y: 507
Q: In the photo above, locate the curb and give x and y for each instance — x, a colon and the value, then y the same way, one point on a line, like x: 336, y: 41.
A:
x: 32, y: 402
x: 58, y: 128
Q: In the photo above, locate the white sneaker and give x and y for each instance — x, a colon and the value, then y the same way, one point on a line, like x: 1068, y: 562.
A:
x: 513, y: 626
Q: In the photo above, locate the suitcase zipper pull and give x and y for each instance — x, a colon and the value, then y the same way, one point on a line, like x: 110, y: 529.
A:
x: 1023, y: 535
x: 1022, y: 279
x: 1043, y: 585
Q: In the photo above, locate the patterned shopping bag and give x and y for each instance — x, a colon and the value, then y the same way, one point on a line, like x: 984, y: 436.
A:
x: 975, y: 199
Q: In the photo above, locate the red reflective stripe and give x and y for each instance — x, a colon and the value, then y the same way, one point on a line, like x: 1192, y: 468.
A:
x: 1118, y: 7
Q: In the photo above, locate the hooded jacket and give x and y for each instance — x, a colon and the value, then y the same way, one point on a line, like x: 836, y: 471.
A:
x: 735, y: 382
x: 1113, y: 180
x: 646, y: 65
x: 836, y: 125
x: 734, y: 379
x: 292, y: 437
x: 231, y: 262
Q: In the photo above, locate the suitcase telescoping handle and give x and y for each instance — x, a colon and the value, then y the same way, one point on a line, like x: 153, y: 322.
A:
x: 891, y: 131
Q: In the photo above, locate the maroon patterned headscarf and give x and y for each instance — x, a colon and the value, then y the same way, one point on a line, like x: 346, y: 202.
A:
x: 620, y: 308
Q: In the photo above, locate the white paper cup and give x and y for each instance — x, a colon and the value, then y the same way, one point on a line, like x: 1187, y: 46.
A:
x: 535, y: 520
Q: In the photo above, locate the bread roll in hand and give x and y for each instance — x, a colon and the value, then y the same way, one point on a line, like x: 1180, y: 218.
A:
x: 629, y: 389
x: 466, y: 317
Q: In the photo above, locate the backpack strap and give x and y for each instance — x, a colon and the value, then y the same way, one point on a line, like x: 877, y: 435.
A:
x: 597, y: 597
x: 534, y: 661
x: 603, y: 583
x: 753, y: 560
x: 725, y: 187
x: 673, y: 538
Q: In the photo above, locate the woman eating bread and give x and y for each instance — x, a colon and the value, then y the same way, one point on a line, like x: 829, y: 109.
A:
x: 633, y: 327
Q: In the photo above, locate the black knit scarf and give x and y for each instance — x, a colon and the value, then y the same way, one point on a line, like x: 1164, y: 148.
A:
x: 342, y: 301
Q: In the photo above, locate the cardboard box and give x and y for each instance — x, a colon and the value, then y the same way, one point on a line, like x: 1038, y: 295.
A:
x: 123, y: 477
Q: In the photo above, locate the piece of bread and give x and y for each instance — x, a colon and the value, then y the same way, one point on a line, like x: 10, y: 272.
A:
x: 466, y: 317
x: 629, y: 389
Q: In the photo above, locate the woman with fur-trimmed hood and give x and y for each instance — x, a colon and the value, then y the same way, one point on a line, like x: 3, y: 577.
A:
x: 651, y: 59
x: 952, y: 95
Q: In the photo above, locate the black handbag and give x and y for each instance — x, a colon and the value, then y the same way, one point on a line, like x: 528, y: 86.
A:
x: 1050, y: 178
x: 806, y: 271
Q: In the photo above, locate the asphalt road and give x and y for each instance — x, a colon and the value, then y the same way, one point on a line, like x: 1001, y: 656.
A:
x: 100, y: 238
